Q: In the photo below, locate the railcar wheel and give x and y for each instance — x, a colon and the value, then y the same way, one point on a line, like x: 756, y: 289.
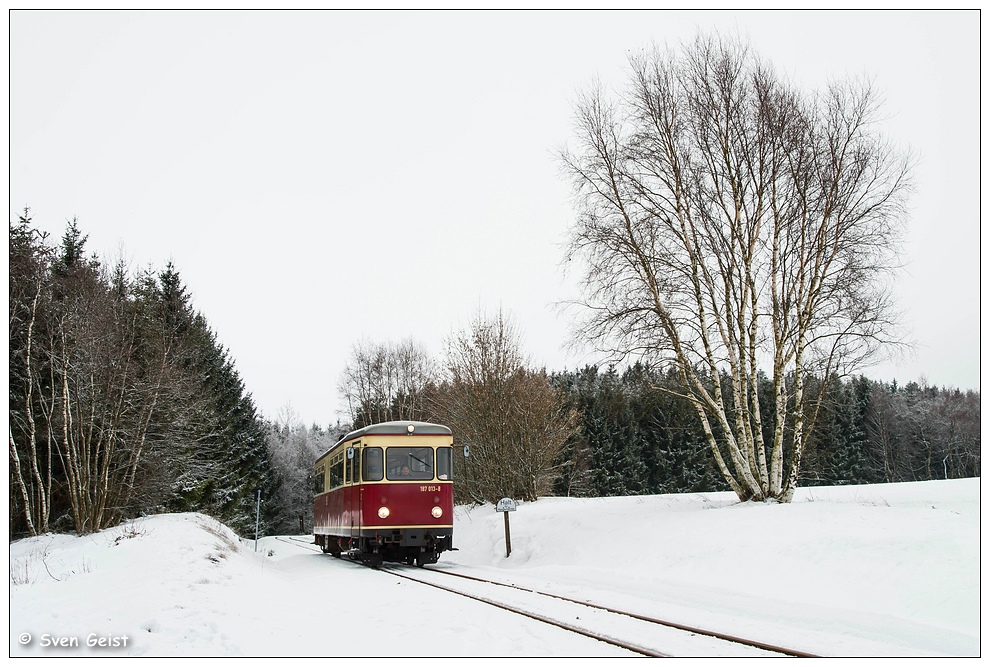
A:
x: 330, y: 546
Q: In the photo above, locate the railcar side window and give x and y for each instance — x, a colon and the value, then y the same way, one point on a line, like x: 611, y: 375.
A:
x: 444, y: 460
x: 318, y: 480
x: 373, y: 468
x: 410, y: 463
x: 337, y: 473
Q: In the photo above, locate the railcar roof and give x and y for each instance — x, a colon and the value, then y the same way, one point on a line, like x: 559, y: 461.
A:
x: 397, y: 428
x: 391, y: 428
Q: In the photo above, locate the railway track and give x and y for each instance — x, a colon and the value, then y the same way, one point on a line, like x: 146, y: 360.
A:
x: 637, y: 633
x: 634, y: 632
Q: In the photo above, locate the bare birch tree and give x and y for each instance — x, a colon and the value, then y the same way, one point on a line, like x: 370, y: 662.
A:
x: 728, y: 222
x: 109, y: 366
x: 31, y: 452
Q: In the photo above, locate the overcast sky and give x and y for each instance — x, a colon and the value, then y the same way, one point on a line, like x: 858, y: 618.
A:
x: 324, y: 178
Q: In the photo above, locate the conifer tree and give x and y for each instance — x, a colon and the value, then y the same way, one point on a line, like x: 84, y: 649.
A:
x: 224, y: 449
x: 848, y: 462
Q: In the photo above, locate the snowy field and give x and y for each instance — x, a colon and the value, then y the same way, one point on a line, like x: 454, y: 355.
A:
x: 887, y: 570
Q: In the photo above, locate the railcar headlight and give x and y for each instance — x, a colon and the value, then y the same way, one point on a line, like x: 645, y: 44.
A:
x: 383, y: 512
x: 436, y: 512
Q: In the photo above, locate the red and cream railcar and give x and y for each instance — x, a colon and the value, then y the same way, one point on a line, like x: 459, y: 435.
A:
x: 386, y: 493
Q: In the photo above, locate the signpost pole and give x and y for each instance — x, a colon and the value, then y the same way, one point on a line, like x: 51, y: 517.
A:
x: 506, y: 505
x: 508, y: 541
x: 257, y: 519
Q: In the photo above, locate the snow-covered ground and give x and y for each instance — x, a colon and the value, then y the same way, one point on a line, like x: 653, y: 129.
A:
x: 888, y: 570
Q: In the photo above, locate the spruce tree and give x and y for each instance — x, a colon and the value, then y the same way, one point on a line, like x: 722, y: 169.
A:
x: 221, y: 447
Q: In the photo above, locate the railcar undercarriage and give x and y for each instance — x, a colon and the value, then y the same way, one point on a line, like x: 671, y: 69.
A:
x: 409, y: 546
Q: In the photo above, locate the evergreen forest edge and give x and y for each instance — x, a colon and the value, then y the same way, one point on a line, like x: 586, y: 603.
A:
x: 123, y: 402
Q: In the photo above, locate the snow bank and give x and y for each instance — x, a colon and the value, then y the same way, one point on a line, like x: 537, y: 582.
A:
x: 888, y: 570
x: 872, y: 570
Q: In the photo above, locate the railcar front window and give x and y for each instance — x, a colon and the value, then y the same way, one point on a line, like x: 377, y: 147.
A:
x: 409, y: 463
x: 444, y: 459
x: 373, y: 468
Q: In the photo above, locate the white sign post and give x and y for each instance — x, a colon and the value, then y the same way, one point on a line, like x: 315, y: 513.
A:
x: 506, y: 505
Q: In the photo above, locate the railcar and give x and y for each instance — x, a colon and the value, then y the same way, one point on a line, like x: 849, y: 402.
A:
x: 386, y: 493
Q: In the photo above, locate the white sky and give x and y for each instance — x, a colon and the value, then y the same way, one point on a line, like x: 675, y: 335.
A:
x: 322, y: 178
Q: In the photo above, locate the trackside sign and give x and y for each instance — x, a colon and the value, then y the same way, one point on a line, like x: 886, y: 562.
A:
x: 505, y: 505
